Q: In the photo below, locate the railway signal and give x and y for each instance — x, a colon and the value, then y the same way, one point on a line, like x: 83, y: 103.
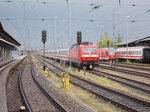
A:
x: 43, y: 36
x: 79, y: 37
x: 44, y: 41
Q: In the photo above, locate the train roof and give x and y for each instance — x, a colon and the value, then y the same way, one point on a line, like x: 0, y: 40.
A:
x: 134, y: 40
x: 131, y: 48
x: 56, y: 50
x: 86, y: 43
x: 106, y: 48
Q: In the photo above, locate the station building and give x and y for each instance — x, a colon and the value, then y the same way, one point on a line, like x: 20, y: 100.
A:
x: 8, y: 45
x: 143, y: 41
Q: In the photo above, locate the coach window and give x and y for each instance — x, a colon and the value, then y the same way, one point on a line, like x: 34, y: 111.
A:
x: 64, y: 53
x: 125, y: 52
x: 139, y: 52
x: 101, y: 54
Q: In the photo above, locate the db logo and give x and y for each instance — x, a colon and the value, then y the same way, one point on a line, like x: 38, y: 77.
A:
x: 90, y: 54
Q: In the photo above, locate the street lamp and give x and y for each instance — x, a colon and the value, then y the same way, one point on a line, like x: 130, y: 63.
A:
x: 127, y: 35
x: 55, y: 19
x: 70, y: 28
x: 49, y: 36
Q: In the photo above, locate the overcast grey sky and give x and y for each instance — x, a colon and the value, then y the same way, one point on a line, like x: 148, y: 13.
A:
x: 25, y: 19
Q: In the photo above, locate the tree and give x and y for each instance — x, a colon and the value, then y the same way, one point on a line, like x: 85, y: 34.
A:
x: 104, y: 40
x: 119, y: 38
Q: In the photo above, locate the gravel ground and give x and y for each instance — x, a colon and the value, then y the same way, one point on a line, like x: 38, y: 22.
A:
x: 60, y: 96
x: 131, y: 69
x: 12, y: 91
x: 129, y: 76
x: 38, y: 102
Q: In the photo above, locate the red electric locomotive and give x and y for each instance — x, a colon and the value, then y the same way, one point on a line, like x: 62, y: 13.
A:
x: 107, y: 54
x: 84, y: 55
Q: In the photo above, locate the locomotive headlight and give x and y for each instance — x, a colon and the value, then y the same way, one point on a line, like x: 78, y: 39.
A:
x: 84, y: 58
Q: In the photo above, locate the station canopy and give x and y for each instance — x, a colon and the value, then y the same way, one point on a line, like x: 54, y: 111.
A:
x: 135, y: 41
x: 6, y: 38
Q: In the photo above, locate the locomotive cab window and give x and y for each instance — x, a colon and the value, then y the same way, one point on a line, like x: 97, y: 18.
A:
x: 106, y: 53
x: 89, y: 50
x: 111, y: 51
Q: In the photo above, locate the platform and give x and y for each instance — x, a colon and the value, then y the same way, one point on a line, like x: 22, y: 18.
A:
x: 3, y: 77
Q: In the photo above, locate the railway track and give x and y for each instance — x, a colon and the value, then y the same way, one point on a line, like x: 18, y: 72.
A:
x: 132, y: 66
x: 147, y: 75
x: 30, y: 101
x: 4, y: 71
x: 5, y: 63
x: 61, y: 96
x: 129, y: 82
x: 123, y: 100
x: 60, y: 107
x: 22, y: 92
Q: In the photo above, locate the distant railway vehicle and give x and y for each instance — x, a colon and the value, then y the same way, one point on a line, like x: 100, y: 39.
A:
x: 138, y: 54
x: 107, y: 54
x: 83, y: 55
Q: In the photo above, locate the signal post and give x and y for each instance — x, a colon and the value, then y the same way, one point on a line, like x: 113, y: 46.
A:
x: 44, y: 41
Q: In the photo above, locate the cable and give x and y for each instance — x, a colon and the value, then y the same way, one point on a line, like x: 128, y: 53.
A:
x: 32, y: 8
x: 91, y: 10
x: 141, y: 14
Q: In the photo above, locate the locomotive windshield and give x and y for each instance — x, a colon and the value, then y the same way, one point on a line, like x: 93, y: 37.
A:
x: 111, y: 51
x: 89, y: 50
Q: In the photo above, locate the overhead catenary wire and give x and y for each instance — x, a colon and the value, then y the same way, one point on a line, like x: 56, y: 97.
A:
x: 88, y: 12
x: 32, y: 9
x: 141, y: 14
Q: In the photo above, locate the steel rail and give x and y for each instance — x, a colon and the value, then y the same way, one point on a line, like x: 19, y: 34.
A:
x: 131, y: 66
x: 128, y: 64
x: 129, y: 82
x: 126, y: 71
x: 22, y: 92
x: 135, y: 102
x: 62, y: 109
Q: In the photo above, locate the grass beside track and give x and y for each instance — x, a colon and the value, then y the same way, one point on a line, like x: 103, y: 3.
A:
x: 83, y: 97
x: 109, y: 83
x: 106, y: 82
x: 79, y: 95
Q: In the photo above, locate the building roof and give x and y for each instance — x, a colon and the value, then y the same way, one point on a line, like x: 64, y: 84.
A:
x: 135, y: 40
x: 7, y: 37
